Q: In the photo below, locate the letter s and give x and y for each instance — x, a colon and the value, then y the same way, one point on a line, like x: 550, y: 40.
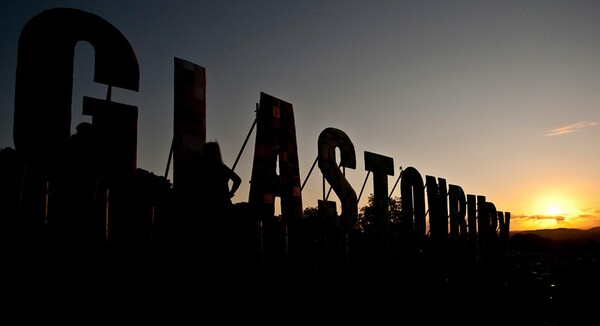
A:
x: 329, y: 139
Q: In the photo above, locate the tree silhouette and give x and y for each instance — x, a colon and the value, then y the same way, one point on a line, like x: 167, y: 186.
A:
x: 366, y: 214
x: 310, y: 213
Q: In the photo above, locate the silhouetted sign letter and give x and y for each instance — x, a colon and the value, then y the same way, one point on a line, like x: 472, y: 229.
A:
x: 438, y: 209
x: 457, y: 203
x: 329, y: 140
x: 43, y: 92
x: 381, y: 166
x: 472, y: 221
x: 492, y: 218
x: 482, y: 221
x: 189, y: 122
x: 413, y: 205
x: 504, y: 224
x: 276, y: 141
x: 44, y: 82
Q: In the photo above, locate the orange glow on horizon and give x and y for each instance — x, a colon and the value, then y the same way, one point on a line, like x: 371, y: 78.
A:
x: 552, y: 211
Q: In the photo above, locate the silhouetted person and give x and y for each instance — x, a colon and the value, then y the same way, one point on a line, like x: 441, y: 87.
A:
x: 215, y: 198
x: 76, y: 214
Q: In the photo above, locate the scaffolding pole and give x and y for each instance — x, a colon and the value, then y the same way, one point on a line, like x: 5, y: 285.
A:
x: 237, y: 159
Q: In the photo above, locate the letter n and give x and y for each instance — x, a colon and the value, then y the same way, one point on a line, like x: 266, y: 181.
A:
x: 438, y: 210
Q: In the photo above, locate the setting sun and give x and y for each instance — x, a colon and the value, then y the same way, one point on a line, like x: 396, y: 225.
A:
x: 553, y: 210
x: 553, y: 205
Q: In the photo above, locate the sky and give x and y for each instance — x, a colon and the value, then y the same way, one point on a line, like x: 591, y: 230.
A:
x: 499, y: 97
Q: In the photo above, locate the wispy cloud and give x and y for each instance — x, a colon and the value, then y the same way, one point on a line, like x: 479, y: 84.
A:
x: 558, y: 218
x: 583, y: 219
x: 589, y: 213
x: 570, y: 128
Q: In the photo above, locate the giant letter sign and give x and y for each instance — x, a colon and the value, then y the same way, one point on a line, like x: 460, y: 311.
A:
x: 482, y: 224
x: 413, y: 207
x: 504, y: 225
x: 329, y: 140
x: 381, y: 166
x: 189, y: 122
x: 44, y: 81
x: 276, y: 138
x: 438, y: 210
x: 458, y: 205
x: 491, y: 214
x: 472, y: 223
x: 43, y: 91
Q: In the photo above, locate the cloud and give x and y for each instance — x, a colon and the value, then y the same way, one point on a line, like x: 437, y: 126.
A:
x: 558, y: 218
x: 584, y: 219
x: 589, y: 213
x: 570, y: 128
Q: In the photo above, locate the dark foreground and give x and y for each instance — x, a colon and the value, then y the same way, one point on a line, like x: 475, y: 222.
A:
x: 158, y: 286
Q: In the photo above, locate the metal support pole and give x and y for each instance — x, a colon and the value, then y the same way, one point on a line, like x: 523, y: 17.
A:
x: 331, y: 187
x: 246, y: 140
x: 169, y: 159
x: 309, y: 172
x: 324, y: 188
x: 363, y: 186
x: 396, y: 183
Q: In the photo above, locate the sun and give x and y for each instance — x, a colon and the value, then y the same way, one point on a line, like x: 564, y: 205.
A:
x: 554, y: 205
x: 553, y: 211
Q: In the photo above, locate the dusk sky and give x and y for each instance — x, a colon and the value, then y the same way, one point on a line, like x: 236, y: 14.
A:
x: 499, y: 97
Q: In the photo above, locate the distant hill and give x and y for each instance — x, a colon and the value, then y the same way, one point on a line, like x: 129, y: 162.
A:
x: 562, y: 234
x: 556, y: 239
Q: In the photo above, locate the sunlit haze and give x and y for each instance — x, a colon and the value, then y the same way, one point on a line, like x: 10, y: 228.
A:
x: 499, y: 97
